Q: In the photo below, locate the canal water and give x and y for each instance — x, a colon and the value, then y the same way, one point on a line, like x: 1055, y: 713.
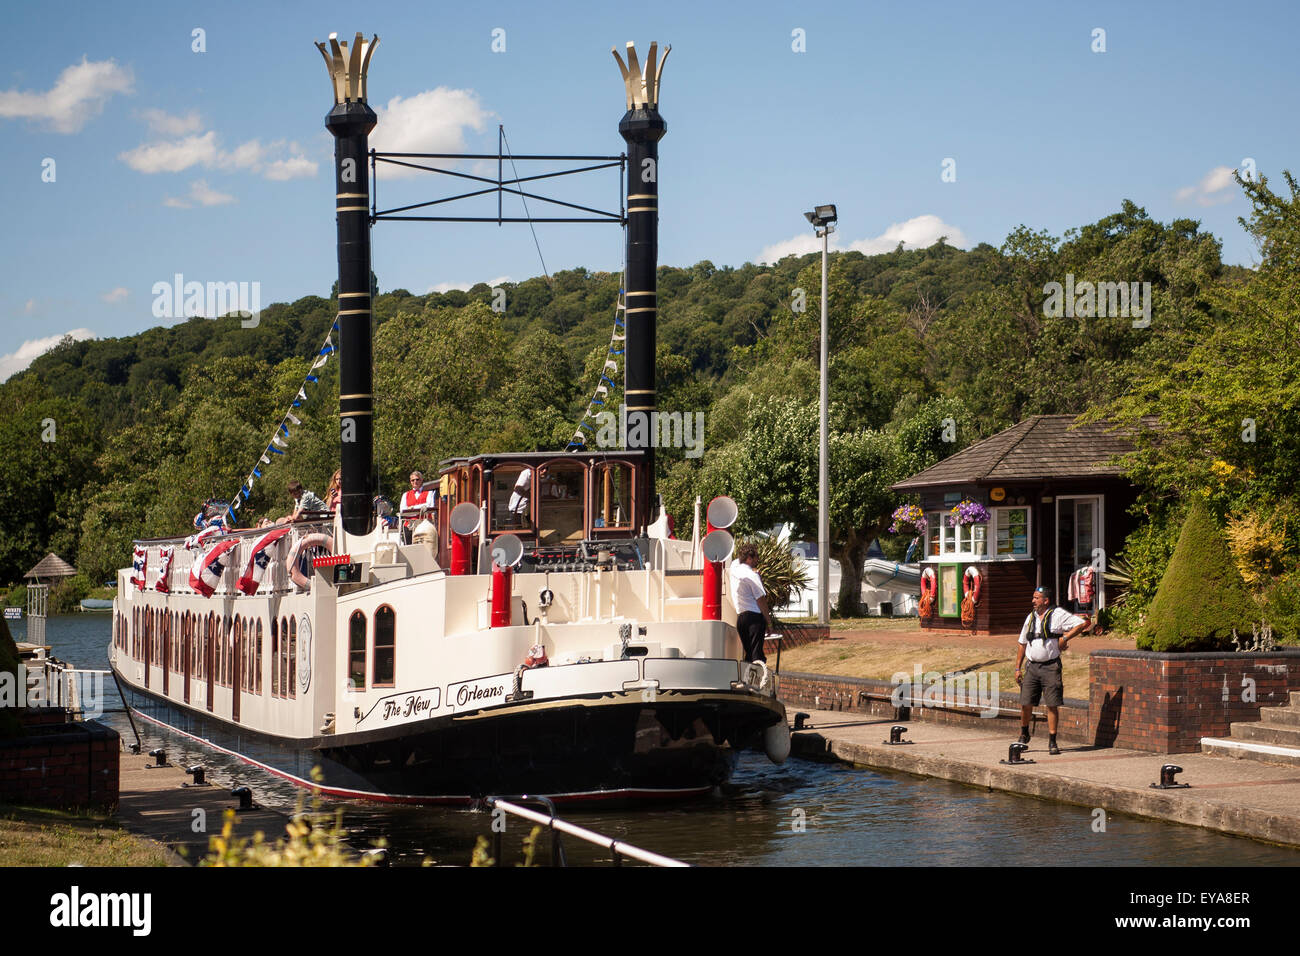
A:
x: 800, y: 814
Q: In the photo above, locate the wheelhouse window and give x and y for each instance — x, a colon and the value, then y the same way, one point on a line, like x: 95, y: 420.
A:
x: 612, y: 490
x: 357, y: 651
x: 559, y: 502
x: 385, y: 655
x: 512, y: 498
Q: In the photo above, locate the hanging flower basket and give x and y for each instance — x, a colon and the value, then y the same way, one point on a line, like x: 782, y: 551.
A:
x: 967, y: 512
x: 908, y: 519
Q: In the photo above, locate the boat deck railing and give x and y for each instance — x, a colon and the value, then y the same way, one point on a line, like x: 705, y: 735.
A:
x: 617, y: 848
x: 277, y: 573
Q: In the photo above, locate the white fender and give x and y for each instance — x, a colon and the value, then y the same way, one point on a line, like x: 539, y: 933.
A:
x: 308, y: 541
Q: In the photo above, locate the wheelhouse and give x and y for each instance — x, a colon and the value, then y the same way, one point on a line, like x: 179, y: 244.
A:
x: 554, y: 502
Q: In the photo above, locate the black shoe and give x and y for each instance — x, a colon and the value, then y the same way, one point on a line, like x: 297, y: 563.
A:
x: 1053, y: 749
x: 1024, y: 736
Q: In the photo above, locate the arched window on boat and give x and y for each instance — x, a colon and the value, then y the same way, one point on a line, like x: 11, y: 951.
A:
x: 385, y: 654
x: 357, y: 651
x: 512, y: 498
x: 275, y: 658
x: 258, y: 660
x: 283, y: 662
x: 236, y: 640
x: 612, y: 493
x: 559, y: 510
x: 293, y: 657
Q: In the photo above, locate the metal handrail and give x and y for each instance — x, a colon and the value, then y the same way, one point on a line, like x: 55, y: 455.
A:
x: 557, y: 826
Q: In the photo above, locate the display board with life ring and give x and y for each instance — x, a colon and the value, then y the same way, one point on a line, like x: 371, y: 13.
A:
x: 971, y: 582
x: 929, y: 585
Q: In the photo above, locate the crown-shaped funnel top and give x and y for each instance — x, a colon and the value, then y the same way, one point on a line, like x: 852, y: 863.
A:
x: 348, y: 68
x: 642, y: 88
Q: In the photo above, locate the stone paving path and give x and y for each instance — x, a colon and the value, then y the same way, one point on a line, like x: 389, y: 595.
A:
x: 1242, y: 797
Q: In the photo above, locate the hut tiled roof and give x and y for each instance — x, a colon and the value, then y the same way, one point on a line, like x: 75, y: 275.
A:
x: 51, y: 566
x: 1038, y: 448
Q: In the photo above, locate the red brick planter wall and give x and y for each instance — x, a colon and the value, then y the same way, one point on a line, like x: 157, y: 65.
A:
x: 1165, y: 703
x: 61, y: 765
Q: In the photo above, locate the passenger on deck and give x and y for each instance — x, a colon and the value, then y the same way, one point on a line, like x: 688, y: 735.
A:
x: 304, y: 501
x: 335, y: 493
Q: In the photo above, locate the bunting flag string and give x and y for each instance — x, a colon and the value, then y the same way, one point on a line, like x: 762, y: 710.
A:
x: 281, y: 435
x: 610, y: 369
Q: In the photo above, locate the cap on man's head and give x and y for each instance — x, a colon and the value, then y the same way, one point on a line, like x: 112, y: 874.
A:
x: 295, y: 486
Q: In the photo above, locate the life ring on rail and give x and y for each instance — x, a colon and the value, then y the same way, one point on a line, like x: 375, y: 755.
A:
x: 928, y: 585
x: 318, y: 540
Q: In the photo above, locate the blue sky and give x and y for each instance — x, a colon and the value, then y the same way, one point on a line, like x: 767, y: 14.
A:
x: 215, y: 164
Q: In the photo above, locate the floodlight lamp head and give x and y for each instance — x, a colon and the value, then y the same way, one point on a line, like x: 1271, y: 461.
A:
x: 826, y: 214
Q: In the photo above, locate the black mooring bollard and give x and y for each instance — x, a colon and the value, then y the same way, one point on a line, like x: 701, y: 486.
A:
x: 1013, y: 755
x: 160, y: 758
x: 896, y: 736
x: 245, y: 795
x: 1167, y: 782
x: 199, y: 774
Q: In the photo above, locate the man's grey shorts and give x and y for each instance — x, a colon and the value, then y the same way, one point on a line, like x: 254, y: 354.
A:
x: 1042, y: 679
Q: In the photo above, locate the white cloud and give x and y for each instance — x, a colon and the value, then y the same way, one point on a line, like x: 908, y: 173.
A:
x: 1212, y: 190
x: 291, y: 168
x: 465, y: 286
x: 430, y: 122
x: 920, y: 232
x: 178, y: 155
x: 78, y: 94
x: 164, y: 124
x: 17, y: 361
x: 201, y: 194
x: 116, y: 295
x: 173, y: 157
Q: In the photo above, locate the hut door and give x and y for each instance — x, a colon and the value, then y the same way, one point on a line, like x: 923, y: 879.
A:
x: 1078, y: 534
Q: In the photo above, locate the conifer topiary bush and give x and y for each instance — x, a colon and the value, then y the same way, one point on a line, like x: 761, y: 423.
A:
x: 1202, y: 596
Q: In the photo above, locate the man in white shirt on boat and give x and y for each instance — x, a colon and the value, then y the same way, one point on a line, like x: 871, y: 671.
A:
x: 417, y: 502
x: 753, y: 619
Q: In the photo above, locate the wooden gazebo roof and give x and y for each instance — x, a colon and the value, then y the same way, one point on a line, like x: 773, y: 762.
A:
x: 51, y: 566
x: 1041, y: 448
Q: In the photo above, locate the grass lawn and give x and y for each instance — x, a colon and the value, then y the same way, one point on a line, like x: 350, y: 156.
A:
x: 35, y: 836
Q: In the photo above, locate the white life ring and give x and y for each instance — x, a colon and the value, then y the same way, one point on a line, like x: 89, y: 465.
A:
x: 318, y: 540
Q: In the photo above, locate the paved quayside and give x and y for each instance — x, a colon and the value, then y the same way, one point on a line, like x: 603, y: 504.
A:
x: 1241, y: 797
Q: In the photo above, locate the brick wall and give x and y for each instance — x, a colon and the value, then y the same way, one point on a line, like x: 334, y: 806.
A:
x: 873, y: 698
x: 1165, y: 703
x: 61, y: 765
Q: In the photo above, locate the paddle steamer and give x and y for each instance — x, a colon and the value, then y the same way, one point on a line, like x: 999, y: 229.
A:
x: 538, y: 631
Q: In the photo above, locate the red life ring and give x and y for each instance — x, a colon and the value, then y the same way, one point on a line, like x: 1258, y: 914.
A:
x: 299, y: 579
x: 928, y: 586
x: 972, y: 590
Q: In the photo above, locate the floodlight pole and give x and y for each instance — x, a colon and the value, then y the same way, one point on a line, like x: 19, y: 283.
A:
x: 823, y: 461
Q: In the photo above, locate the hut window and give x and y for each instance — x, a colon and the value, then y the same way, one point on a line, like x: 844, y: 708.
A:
x: 385, y: 647
x: 357, y: 651
x: 1011, y: 532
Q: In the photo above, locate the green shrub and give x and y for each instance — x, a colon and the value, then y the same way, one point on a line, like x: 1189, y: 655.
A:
x: 1202, y: 596
x: 67, y: 594
x: 1282, y: 608
x: 1145, y: 557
